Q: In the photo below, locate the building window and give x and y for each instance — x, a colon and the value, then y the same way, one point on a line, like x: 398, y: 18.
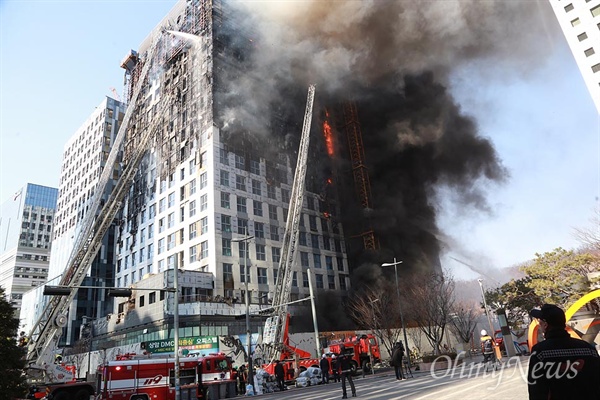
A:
x: 329, y: 263
x: 596, y: 68
x: 193, y: 232
x: 171, y: 220
x: 243, y: 273
x: 259, y: 230
x: 589, y: 52
x: 255, y: 167
x: 271, y: 193
x: 575, y: 22
x: 595, y: 11
x: 331, y: 281
x: 193, y: 186
x: 225, y: 223
x: 302, y: 237
x: 317, y: 260
x: 162, y: 205
x: 225, y: 200
x: 242, y: 226
x: 294, y: 279
x: 582, y: 37
x: 274, y: 230
x: 569, y: 7
x: 224, y: 178
x: 242, y: 250
x: 304, y: 259
x: 256, y: 187
x: 314, y: 241
x: 161, y: 245
x: 171, y: 199
x: 203, y: 250
x: 240, y: 162
x: 241, y: 204
x: 240, y: 183
x: 326, y: 243
x: 204, y: 225
x: 228, y: 274
x: 170, y: 241
x: 223, y: 156
x: 150, y: 251
x: 192, y: 208
x: 152, y: 298
x: 319, y: 279
x: 285, y: 195
x: 203, y: 202
x: 305, y: 279
x: 312, y: 220
x: 182, y: 214
x: 261, y: 275
x: 257, y: 208
x: 226, y: 246
x: 260, y: 252
x: 272, y: 212
x: 310, y: 203
x: 276, y: 254
x: 203, y: 180
x: 342, y: 282
x: 193, y: 254
x: 340, y: 263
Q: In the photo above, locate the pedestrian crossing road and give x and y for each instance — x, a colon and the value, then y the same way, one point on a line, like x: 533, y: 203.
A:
x: 461, y: 383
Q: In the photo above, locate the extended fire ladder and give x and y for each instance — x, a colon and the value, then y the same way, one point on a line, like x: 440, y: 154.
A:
x: 47, y: 329
x: 275, y: 326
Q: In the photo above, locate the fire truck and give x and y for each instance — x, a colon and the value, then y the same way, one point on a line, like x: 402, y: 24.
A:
x: 130, y: 377
x: 361, y: 348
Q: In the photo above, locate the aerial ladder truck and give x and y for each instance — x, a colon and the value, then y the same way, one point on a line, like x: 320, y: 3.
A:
x: 43, y: 372
x: 276, y: 345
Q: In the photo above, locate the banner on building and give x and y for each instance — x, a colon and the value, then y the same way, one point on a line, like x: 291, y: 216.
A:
x: 194, y: 344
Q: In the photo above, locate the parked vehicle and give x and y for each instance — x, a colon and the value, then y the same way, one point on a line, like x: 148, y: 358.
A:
x: 312, y: 376
x: 362, y: 348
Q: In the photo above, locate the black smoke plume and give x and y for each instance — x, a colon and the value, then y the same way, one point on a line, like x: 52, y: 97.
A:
x: 395, y: 60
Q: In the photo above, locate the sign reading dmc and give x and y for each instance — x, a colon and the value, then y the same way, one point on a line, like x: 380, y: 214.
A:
x: 205, y: 344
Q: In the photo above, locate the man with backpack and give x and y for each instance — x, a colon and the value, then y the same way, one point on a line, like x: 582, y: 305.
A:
x: 397, y: 355
x: 487, y: 347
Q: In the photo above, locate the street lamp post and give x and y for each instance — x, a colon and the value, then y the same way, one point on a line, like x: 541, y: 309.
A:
x: 374, y: 325
x: 245, y: 240
x: 395, y: 264
x: 486, y: 307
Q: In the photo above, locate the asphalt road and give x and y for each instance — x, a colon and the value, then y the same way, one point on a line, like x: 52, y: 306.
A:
x: 469, y: 381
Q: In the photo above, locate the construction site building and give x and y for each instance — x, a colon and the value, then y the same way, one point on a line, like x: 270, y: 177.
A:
x: 201, y: 186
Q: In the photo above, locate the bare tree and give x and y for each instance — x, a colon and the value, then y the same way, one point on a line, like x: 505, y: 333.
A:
x: 590, y: 236
x: 77, y: 354
x: 463, y: 320
x: 432, y: 302
x: 375, y: 308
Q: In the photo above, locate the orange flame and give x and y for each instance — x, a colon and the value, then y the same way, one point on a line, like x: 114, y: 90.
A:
x: 328, y: 137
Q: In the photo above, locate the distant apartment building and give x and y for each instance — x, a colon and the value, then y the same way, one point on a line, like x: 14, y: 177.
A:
x: 84, y: 158
x: 580, y: 22
x: 26, y: 225
x: 203, y: 186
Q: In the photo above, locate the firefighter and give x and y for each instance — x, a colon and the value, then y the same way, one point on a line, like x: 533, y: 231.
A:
x: 280, y: 375
x: 335, y: 368
x: 487, y: 347
x: 243, y: 376
x: 324, y: 364
x: 346, y: 367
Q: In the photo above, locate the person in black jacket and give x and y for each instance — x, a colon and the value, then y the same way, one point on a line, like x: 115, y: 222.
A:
x: 335, y: 368
x: 397, y: 355
x: 346, y: 369
x: 280, y: 375
x: 324, y: 364
x: 561, y: 367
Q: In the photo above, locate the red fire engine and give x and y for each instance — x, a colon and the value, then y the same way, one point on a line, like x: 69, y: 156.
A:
x: 154, y: 378
x: 361, y: 348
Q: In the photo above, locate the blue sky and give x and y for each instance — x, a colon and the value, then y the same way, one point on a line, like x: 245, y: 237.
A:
x: 59, y: 59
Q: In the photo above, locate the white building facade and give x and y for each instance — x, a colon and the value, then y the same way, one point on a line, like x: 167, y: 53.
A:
x: 84, y: 158
x: 580, y: 22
